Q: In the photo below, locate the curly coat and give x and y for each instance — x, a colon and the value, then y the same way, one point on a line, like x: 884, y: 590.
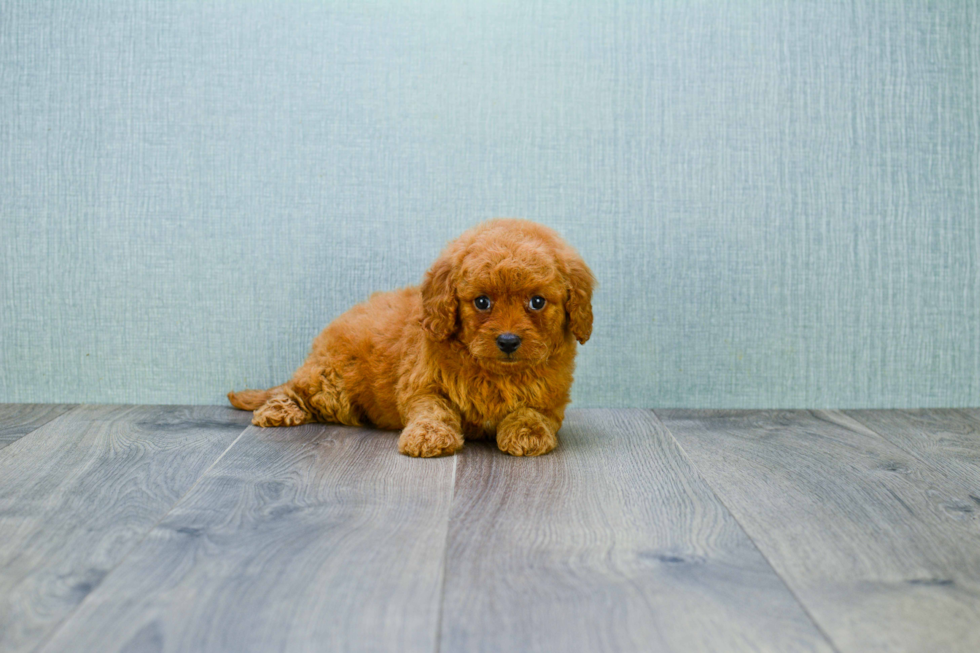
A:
x: 426, y: 359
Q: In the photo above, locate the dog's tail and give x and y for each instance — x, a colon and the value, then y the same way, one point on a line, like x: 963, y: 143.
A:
x: 250, y: 399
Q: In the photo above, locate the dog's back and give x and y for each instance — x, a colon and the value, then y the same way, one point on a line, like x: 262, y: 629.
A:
x: 352, y: 371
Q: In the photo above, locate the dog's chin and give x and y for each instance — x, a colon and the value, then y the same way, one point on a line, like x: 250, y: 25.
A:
x: 503, y: 364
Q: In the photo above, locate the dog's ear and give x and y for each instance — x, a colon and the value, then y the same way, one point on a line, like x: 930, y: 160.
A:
x: 578, y: 306
x: 439, y: 300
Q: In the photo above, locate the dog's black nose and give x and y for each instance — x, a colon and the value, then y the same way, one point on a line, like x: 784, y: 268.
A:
x: 508, y: 342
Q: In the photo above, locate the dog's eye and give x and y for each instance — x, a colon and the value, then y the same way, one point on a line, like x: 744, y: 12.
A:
x: 537, y: 303
x: 482, y: 303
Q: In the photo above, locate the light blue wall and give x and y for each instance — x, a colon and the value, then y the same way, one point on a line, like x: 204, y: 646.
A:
x: 780, y: 199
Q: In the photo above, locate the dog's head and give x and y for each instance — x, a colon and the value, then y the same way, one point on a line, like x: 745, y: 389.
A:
x: 511, y: 291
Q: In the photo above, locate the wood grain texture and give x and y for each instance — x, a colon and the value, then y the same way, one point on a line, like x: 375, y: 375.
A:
x: 972, y: 413
x: 611, y: 543
x: 17, y: 420
x: 308, y: 538
x: 945, y: 439
x: 80, y: 492
x: 867, y: 536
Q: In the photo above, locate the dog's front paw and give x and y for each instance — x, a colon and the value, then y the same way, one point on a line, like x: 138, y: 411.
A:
x: 525, y: 434
x: 428, y: 438
x: 280, y: 411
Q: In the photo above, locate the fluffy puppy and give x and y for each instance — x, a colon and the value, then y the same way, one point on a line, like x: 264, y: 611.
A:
x: 485, y: 347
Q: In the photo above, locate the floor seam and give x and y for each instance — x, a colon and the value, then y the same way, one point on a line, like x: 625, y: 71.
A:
x: 714, y: 492
x: 445, y: 559
x: 138, y: 544
x: 21, y: 438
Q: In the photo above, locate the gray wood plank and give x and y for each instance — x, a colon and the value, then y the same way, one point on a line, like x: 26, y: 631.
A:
x: 315, y: 537
x: 81, y: 491
x: 946, y: 439
x: 972, y: 413
x: 17, y: 420
x: 862, y: 531
x: 611, y: 543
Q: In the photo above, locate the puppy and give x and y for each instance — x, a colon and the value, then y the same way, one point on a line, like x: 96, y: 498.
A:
x: 485, y: 347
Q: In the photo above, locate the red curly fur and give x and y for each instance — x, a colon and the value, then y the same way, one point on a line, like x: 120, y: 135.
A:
x: 425, y: 360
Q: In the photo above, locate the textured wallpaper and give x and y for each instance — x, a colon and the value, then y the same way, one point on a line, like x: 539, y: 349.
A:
x: 781, y: 200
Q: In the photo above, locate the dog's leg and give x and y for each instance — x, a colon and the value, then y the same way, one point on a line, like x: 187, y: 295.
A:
x: 432, y: 428
x: 281, y: 409
x: 328, y: 398
x: 527, y: 432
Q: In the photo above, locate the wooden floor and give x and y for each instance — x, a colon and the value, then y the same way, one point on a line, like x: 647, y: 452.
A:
x: 127, y: 528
